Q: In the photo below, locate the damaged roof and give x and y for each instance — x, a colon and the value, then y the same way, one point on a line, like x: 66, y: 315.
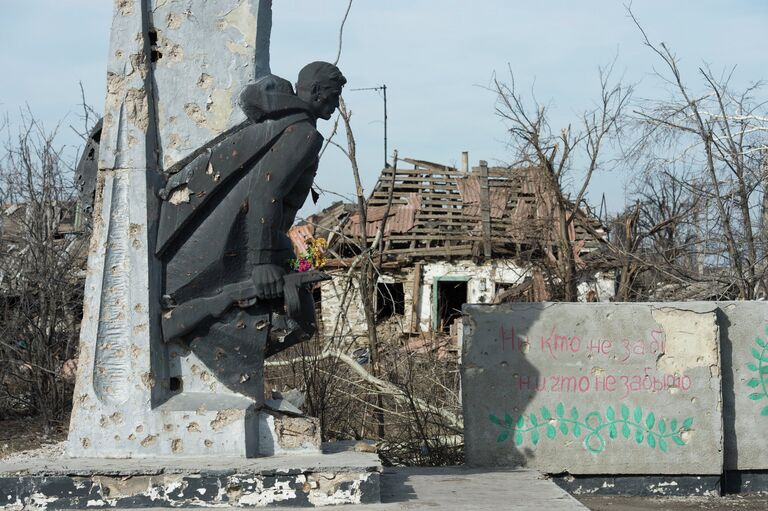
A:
x: 433, y: 210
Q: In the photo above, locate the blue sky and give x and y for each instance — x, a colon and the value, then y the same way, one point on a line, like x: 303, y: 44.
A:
x: 436, y: 57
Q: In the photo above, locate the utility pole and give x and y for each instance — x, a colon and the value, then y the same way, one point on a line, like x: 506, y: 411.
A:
x: 383, y: 89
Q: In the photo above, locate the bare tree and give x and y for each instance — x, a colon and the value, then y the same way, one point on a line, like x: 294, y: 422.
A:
x: 718, y: 134
x: 42, y: 256
x: 572, y: 154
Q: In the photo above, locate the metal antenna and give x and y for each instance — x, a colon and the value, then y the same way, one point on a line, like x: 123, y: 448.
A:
x: 382, y: 88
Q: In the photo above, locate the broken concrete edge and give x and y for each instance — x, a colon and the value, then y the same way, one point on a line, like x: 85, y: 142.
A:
x: 289, y: 464
x: 205, y: 490
x: 667, y: 485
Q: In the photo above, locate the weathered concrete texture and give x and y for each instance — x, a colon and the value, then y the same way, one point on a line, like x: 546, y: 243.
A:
x: 127, y: 111
x: 319, y: 480
x: 462, y: 489
x: 593, y: 389
x: 743, y: 327
x: 204, y: 54
x: 120, y: 377
x: 175, y: 70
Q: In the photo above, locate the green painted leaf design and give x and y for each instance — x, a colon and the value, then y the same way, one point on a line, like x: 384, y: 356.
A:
x: 625, y: 431
x: 763, y: 370
x: 752, y: 367
x: 764, y: 412
x: 599, y: 427
x: 760, y: 342
x: 759, y: 356
x: 756, y: 396
x: 753, y: 382
x: 650, y: 420
x: 624, y: 411
x: 551, y: 431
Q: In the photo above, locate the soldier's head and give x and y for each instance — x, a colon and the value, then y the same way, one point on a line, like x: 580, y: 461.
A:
x: 319, y: 86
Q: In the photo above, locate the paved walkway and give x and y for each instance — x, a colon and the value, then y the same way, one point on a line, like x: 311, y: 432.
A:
x: 457, y: 488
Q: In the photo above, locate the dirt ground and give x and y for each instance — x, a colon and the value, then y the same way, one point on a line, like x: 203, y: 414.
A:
x: 727, y: 503
x: 26, y: 433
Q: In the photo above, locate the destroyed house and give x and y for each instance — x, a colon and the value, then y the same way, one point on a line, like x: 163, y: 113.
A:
x: 450, y: 236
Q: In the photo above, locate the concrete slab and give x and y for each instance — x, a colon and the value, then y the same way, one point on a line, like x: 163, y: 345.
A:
x: 461, y: 488
x: 593, y: 388
x: 296, y: 480
x: 744, y: 336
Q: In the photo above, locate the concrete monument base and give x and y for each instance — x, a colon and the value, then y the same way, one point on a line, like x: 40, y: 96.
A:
x: 308, y: 480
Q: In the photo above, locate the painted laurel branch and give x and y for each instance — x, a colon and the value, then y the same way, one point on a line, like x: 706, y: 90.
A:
x: 595, y: 427
x: 760, y: 366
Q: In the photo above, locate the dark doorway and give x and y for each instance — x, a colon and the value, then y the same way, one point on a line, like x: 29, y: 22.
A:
x: 390, y: 300
x: 451, y: 295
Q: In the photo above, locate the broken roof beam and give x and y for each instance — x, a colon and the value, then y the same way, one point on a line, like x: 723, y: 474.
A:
x: 485, y: 209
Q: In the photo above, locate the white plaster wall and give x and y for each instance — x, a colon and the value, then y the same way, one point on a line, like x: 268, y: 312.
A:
x: 482, y: 282
x: 486, y: 274
x: 603, y: 283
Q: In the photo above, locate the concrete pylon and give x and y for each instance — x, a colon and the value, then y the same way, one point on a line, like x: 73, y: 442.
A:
x: 176, y: 69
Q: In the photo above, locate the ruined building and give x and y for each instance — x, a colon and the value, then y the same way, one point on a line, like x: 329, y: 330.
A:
x: 452, y: 236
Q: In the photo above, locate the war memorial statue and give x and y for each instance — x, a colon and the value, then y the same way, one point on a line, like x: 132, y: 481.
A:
x: 195, y: 174
x: 223, y: 231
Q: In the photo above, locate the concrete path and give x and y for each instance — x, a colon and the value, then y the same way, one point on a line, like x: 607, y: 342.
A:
x: 457, y: 488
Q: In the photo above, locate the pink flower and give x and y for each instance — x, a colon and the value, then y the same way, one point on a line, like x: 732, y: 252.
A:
x: 304, y: 265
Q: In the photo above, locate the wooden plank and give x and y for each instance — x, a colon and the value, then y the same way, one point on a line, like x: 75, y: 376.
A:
x: 425, y: 172
x: 416, y: 187
x: 485, y: 209
x: 418, y: 179
x: 416, y: 298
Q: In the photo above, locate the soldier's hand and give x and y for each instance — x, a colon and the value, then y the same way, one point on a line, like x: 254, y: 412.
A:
x: 243, y: 294
x: 268, y: 280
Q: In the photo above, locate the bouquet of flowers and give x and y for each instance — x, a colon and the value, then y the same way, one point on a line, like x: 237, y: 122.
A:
x: 313, y: 258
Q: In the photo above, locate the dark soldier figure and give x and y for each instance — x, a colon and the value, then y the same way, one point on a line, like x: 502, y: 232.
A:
x: 222, y: 236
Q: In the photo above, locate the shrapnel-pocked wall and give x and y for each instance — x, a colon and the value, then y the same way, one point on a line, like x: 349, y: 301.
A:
x: 649, y: 388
